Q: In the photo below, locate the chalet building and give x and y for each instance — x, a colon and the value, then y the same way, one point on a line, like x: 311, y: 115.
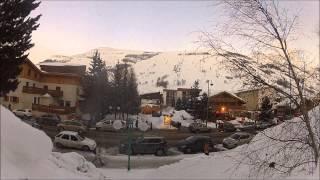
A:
x: 170, y: 96
x: 226, y: 103
x: 150, y: 102
x: 253, y: 97
x: 46, y: 92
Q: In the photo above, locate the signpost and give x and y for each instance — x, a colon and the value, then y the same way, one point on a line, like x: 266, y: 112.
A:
x: 130, y: 126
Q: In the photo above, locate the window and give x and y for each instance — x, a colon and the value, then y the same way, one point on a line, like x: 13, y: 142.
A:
x: 14, y: 99
x: 35, y: 75
x: 73, y: 138
x: 34, y: 100
x: 45, y: 87
x: 68, y: 103
x: 27, y: 84
x: 65, y: 136
x: 34, y: 85
x: 29, y: 72
x: 6, y: 98
x: 58, y: 88
x: 38, y: 100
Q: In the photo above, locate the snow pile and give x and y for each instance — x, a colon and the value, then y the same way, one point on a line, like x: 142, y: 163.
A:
x: 284, y: 147
x: 183, y: 117
x: 26, y: 154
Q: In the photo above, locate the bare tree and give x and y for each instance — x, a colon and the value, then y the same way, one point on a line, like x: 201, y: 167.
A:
x: 255, y: 43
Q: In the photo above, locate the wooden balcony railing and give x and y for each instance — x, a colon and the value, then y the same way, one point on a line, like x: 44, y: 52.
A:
x: 37, y: 90
x: 53, y: 109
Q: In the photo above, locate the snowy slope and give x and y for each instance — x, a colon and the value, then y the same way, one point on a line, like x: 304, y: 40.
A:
x: 180, y: 69
x: 26, y: 154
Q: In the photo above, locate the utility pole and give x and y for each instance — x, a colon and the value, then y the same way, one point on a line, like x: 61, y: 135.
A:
x: 209, y: 84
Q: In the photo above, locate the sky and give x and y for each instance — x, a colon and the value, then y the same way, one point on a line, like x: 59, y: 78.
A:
x: 73, y: 27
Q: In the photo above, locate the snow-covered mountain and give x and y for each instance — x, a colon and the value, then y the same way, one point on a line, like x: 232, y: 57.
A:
x: 153, y: 69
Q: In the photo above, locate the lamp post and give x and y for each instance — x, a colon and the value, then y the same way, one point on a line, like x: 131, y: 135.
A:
x: 209, y: 84
x: 130, y: 125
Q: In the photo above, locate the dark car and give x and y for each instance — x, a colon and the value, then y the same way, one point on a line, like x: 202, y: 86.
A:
x: 195, y: 144
x: 263, y: 124
x: 49, y: 120
x: 199, y: 127
x: 228, y: 127
x: 248, y: 126
x: 146, y: 145
x: 32, y: 123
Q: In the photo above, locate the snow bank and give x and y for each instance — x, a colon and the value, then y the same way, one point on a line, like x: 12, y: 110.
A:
x: 26, y: 153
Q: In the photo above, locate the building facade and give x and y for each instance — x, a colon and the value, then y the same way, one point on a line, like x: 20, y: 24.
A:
x: 170, y: 96
x: 253, y: 97
x: 45, y: 92
x: 226, y: 103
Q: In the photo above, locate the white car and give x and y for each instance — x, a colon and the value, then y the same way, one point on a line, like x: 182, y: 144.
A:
x: 25, y: 113
x: 236, y: 139
x: 74, y: 140
x: 108, y: 125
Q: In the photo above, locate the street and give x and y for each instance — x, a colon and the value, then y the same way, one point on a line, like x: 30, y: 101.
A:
x: 107, y: 139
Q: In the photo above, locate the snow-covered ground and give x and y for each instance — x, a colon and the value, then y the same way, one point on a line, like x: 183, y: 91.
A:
x: 26, y: 154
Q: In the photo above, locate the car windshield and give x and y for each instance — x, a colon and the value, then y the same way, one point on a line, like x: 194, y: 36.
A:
x: 235, y: 136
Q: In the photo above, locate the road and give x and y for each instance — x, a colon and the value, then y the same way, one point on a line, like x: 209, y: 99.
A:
x: 108, y: 139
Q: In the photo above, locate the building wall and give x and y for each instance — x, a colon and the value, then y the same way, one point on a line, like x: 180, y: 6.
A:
x: 254, y: 98
x: 69, y: 85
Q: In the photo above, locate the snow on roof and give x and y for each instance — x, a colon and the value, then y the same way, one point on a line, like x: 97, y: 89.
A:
x: 231, y: 94
x: 59, y: 64
x: 69, y: 132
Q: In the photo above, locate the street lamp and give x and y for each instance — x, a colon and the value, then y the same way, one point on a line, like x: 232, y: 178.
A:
x: 209, y: 84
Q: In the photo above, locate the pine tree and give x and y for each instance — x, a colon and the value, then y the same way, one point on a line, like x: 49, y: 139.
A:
x: 15, y: 39
x: 178, y: 104
x: 96, y: 87
x: 266, y: 106
x: 133, y: 98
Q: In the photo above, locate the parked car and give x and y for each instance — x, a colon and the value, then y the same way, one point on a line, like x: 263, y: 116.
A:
x: 23, y: 113
x: 73, y: 139
x: 107, y: 125
x: 199, y: 127
x: 247, y: 126
x: 49, y: 120
x: 236, y: 139
x: 146, y: 145
x: 228, y: 127
x: 195, y: 144
x: 72, y: 126
x: 264, y: 124
x: 32, y: 123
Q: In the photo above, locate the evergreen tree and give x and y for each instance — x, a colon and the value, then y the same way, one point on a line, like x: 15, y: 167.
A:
x: 15, y: 39
x: 96, y: 87
x: 266, y: 106
x: 133, y: 98
x: 178, y: 104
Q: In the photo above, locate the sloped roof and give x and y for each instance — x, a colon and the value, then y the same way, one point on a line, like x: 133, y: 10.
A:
x: 229, y: 93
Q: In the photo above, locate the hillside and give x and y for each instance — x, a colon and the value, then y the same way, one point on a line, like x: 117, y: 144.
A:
x: 176, y: 69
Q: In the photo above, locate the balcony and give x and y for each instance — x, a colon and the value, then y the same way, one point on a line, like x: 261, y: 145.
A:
x: 37, y: 90
x: 53, y: 109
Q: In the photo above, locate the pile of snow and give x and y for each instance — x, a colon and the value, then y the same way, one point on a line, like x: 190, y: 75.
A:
x: 26, y: 153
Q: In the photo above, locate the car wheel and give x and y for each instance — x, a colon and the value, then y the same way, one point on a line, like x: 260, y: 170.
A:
x: 159, y: 152
x: 59, y: 145
x: 188, y: 150
x: 85, y: 148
